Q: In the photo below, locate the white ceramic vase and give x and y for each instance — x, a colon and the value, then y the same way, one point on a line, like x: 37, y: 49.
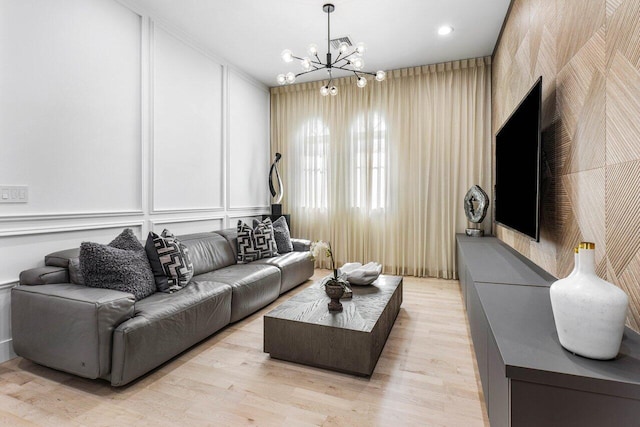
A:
x: 589, y: 312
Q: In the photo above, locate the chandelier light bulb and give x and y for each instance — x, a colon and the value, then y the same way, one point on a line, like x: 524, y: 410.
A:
x: 343, y: 47
x: 324, y: 90
x: 313, y: 49
x: 357, y: 63
x: 360, y: 48
x: 281, y: 79
x: 333, y: 91
x: 381, y: 75
x: 362, y: 82
x: 291, y: 77
x: 445, y: 29
x: 287, y: 55
x: 306, y: 63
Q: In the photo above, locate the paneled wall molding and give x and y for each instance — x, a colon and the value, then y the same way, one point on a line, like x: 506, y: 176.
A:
x: 242, y: 151
x: 8, y: 284
x: 54, y: 216
x: 185, y: 219
x: 62, y: 229
x: 251, y: 209
x: 180, y: 211
x: 189, y: 128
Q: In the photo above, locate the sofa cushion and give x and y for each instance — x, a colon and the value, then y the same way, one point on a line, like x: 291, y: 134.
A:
x: 295, y: 268
x: 61, y: 258
x: 165, y: 325
x: 231, y: 235
x: 255, y: 243
x: 44, y: 275
x: 208, y: 251
x: 75, y: 274
x: 253, y: 286
x: 170, y: 261
x: 121, y: 265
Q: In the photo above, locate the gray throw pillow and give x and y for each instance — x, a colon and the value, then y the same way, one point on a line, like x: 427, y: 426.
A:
x: 282, y: 235
x: 121, y: 265
x: 170, y: 261
x: 254, y: 244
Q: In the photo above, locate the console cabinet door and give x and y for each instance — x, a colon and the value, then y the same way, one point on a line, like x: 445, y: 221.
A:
x: 462, y: 276
x: 498, y: 401
x: 478, y: 326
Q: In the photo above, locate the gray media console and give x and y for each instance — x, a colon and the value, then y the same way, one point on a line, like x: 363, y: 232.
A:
x: 528, y: 379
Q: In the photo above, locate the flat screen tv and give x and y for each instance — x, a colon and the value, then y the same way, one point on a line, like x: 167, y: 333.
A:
x: 518, y: 167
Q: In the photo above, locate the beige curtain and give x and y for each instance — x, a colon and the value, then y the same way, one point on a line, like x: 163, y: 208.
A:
x: 381, y: 172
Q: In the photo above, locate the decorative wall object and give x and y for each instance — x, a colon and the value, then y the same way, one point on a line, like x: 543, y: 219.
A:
x: 587, y: 54
x: 589, y: 312
x: 476, y: 203
x: 276, y: 208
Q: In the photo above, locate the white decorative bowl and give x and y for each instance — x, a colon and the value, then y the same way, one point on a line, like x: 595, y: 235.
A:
x: 362, y: 275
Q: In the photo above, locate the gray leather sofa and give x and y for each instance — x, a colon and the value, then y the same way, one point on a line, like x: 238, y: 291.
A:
x: 103, y: 333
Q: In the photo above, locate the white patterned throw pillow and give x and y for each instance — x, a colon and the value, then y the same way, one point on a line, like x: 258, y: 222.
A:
x: 170, y: 262
x: 256, y: 243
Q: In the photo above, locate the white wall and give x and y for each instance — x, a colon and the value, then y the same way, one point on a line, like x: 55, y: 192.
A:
x: 116, y: 120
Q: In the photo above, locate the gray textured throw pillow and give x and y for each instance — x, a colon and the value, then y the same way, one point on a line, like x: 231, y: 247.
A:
x: 282, y: 235
x: 121, y: 265
x: 254, y: 244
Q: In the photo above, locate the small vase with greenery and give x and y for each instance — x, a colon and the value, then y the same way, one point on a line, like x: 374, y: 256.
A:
x: 334, y: 286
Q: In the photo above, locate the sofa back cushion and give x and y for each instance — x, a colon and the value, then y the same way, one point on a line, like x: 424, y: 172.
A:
x: 208, y: 251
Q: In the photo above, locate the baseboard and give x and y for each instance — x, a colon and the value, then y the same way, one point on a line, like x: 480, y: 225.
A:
x: 6, y: 351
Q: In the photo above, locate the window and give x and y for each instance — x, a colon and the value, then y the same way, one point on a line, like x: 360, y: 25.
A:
x: 368, y: 154
x: 314, y: 145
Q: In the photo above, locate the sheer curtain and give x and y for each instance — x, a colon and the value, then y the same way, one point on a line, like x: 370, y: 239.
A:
x: 381, y: 172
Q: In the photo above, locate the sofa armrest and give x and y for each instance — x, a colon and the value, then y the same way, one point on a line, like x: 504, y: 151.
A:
x: 44, y: 276
x: 68, y: 327
x: 301, y: 245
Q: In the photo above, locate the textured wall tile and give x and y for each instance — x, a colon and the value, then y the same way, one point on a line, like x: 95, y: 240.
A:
x: 579, y: 21
x: 623, y: 214
x: 588, y: 52
x: 623, y: 111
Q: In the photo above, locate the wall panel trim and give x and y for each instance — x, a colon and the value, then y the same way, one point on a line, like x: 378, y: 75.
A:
x: 67, y: 215
x: 186, y: 219
x: 29, y: 231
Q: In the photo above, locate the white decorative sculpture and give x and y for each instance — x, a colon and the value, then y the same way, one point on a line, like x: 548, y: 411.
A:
x: 358, y: 274
x: 589, y: 312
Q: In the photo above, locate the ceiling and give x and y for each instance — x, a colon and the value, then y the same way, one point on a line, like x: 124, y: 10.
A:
x: 251, y: 34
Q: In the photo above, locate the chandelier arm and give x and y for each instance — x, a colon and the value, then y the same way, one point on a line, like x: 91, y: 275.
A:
x: 343, y: 67
x: 310, y: 71
x: 344, y: 58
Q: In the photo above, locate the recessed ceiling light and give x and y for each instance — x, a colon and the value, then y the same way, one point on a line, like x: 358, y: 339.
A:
x: 445, y: 29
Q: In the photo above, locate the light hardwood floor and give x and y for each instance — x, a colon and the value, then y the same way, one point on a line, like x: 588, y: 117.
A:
x: 426, y: 376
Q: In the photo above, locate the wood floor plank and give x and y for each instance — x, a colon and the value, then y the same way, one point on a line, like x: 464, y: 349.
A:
x: 426, y: 375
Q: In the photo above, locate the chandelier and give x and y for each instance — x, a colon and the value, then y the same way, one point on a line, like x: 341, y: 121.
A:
x: 346, y: 60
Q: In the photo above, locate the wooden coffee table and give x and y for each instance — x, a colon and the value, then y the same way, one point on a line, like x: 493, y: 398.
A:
x: 303, y: 330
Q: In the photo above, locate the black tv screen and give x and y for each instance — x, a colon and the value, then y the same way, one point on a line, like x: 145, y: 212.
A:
x: 518, y: 162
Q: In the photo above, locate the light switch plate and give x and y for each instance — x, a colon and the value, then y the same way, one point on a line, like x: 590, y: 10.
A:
x: 14, y: 194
